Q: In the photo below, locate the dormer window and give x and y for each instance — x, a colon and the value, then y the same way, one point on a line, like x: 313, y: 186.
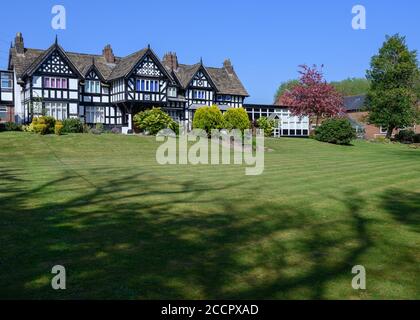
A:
x: 92, y: 86
x: 172, y: 92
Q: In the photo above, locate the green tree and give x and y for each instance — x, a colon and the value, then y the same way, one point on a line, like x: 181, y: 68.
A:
x: 392, y: 95
x: 285, y: 86
x: 352, y: 86
x: 236, y: 119
x: 153, y: 121
x: 208, y: 118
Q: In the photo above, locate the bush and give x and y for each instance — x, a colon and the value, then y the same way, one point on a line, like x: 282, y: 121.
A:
x: 236, y: 119
x: 115, y: 130
x: 58, y: 128
x: 42, y: 125
x: 336, y: 131
x: 152, y: 121
x: 10, y: 126
x: 72, y: 126
x: 267, y: 125
x: 380, y: 139
x: 405, y: 136
x: 417, y: 138
x: 208, y: 118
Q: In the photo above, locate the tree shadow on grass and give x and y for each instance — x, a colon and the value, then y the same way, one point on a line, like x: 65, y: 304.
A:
x: 136, y: 237
x: 404, y: 206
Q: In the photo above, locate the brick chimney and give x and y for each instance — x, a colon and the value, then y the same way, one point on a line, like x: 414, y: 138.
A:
x: 19, y: 45
x: 228, y: 66
x: 171, y: 60
x: 108, y: 54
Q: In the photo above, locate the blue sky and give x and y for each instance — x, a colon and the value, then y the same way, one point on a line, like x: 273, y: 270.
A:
x: 266, y: 40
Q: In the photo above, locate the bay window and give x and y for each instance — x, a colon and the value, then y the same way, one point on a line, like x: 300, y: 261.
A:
x: 92, y: 86
x: 57, y: 110
x: 147, y: 85
x: 55, y: 83
x: 95, y: 114
x: 199, y: 94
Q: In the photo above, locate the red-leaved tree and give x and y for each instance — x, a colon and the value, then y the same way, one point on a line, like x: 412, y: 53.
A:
x: 313, y: 96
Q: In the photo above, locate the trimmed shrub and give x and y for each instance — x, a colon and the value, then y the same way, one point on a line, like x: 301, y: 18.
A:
x: 336, y: 131
x: 42, y: 125
x: 208, y: 118
x: 72, y: 126
x: 236, y: 119
x: 154, y: 120
x: 58, y: 128
x: 267, y: 125
x: 405, y: 136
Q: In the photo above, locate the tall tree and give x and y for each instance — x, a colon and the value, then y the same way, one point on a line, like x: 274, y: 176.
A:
x: 352, y: 86
x: 313, y: 96
x: 393, y: 74
x: 285, y: 86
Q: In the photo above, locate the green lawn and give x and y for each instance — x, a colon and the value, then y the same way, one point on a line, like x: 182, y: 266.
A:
x: 127, y: 228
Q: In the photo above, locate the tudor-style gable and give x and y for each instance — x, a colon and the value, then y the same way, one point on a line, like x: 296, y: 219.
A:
x: 55, y: 64
x: 148, y: 81
x: 148, y: 68
x: 200, y: 80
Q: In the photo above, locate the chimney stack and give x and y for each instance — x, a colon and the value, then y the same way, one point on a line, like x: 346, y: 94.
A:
x: 19, y: 45
x: 228, y: 66
x: 108, y: 54
x: 171, y: 60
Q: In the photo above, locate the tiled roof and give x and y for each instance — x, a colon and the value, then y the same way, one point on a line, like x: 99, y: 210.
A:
x: 125, y: 64
x: 354, y: 103
x: 226, y: 82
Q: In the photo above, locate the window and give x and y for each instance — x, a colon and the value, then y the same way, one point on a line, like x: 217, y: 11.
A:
x: 57, y: 110
x: 383, y: 130
x: 224, y: 98
x: 95, y: 114
x: 172, y: 92
x: 147, y: 85
x: 3, y: 113
x: 55, y: 83
x: 92, y: 86
x: 6, y: 81
x: 199, y: 94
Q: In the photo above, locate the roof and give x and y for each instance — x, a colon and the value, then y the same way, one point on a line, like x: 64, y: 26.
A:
x: 126, y: 64
x: 354, y: 103
x: 225, y: 82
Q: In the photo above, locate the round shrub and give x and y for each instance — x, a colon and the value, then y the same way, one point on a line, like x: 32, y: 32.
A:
x: 72, y: 126
x: 58, y: 128
x: 42, y: 125
x: 267, y: 125
x: 208, y: 118
x: 153, y: 121
x: 405, y: 136
x: 336, y: 131
x: 236, y: 119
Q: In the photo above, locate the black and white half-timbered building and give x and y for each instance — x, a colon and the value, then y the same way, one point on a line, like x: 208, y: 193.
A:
x: 109, y: 90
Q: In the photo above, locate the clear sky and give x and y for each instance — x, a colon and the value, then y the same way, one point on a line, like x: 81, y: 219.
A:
x: 265, y: 39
